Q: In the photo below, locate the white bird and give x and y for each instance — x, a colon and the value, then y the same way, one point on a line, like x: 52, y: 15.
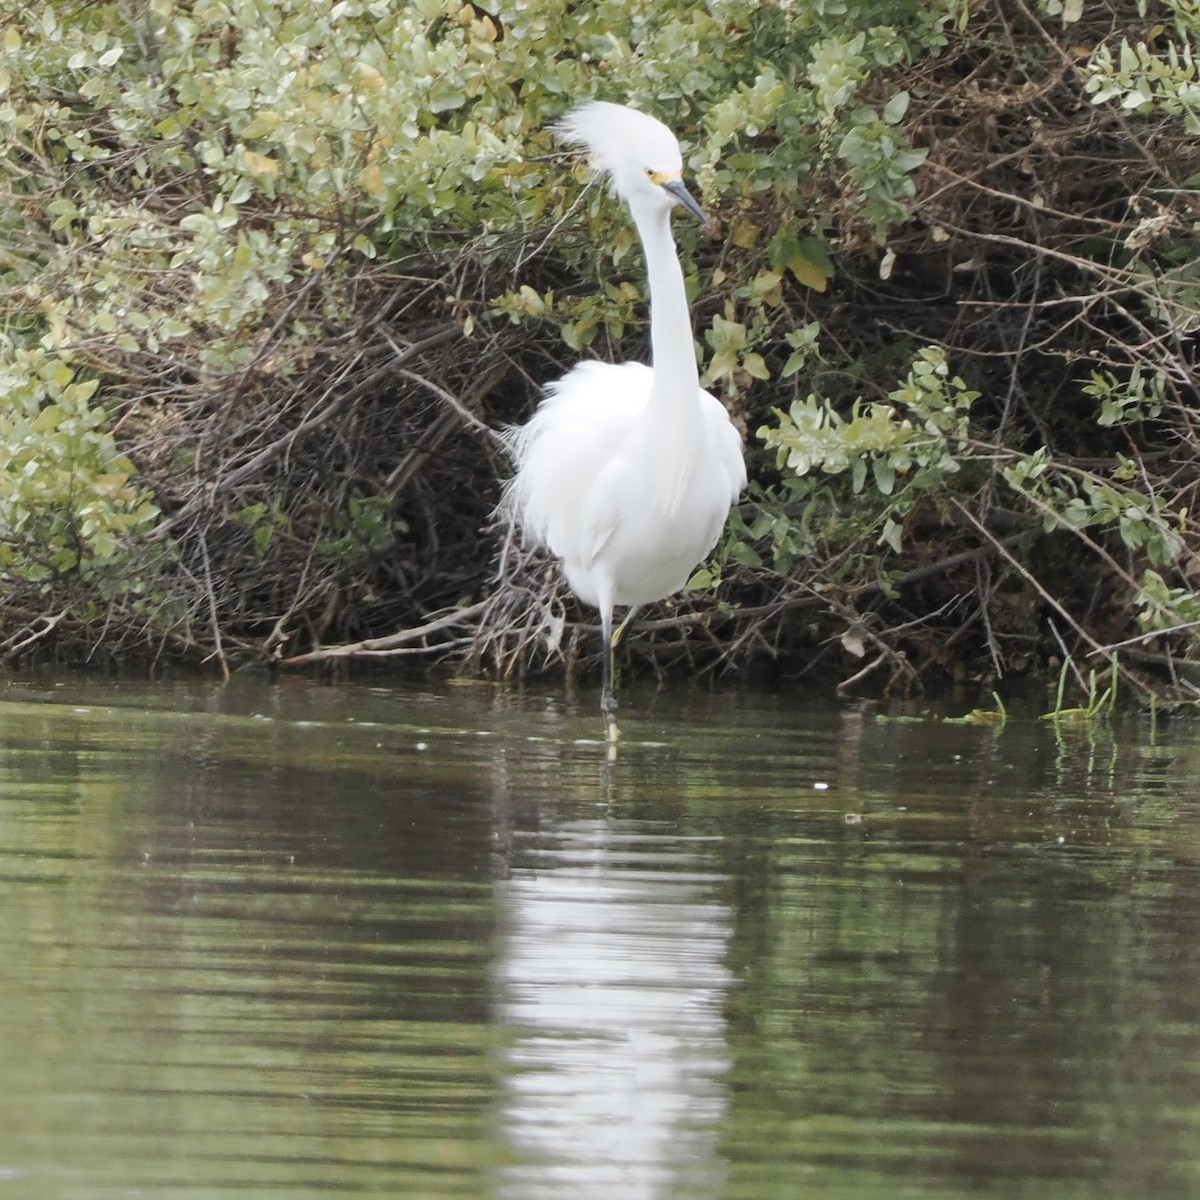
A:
x: 626, y: 473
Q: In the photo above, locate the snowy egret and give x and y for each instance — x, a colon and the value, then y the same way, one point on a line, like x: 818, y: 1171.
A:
x: 626, y: 473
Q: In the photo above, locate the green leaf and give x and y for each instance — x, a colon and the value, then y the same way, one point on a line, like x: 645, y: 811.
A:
x: 755, y: 366
x: 895, y: 108
x: 885, y: 475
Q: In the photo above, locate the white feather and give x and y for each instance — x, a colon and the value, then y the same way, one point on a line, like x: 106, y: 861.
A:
x: 627, y: 473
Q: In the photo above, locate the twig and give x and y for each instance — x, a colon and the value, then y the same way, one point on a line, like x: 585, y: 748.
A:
x: 394, y: 643
x: 883, y: 656
x: 942, y: 565
x: 524, y: 258
x: 281, y: 445
x: 218, y: 651
x: 1036, y: 584
x: 1143, y: 638
x: 1027, y: 575
x: 468, y: 417
x: 13, y: 647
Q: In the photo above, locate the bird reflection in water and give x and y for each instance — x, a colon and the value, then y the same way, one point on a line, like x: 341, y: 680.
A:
x: 613, y: 984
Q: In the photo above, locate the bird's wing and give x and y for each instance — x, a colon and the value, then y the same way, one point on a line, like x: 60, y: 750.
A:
x: 565, y: 450
x: 727, y: 442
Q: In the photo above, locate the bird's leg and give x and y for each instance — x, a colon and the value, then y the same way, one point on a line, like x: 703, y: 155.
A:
x: 608, y: 695
x: 630, y: 617
x: 608, y: 698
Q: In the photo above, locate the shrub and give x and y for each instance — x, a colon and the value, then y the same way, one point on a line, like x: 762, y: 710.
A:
x: 309, y: 254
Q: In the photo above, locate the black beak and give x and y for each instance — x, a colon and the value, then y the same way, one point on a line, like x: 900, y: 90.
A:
x: 684, y: 197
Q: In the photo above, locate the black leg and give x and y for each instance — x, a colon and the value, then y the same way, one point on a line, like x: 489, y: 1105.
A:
x: 630, y: 617
x: 608, y: 698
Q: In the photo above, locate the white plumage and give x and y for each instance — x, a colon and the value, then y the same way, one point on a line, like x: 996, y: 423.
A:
x: 626, y: 473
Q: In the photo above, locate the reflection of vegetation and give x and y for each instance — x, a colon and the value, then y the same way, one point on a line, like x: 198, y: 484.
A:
x: 986, y: 986
x: 185, y: 929
x: 975, y: 987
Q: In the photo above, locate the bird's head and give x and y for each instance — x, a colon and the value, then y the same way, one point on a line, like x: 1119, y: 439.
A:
x: 638, y: 153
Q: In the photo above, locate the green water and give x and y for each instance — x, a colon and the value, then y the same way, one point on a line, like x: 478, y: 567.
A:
x: 295, y: 940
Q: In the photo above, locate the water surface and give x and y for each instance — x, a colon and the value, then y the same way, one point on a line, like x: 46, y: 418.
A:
x: 297, y: 939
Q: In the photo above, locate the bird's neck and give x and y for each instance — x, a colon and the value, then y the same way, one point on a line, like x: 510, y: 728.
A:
x: 671, y: 431
x: 676, y: 380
